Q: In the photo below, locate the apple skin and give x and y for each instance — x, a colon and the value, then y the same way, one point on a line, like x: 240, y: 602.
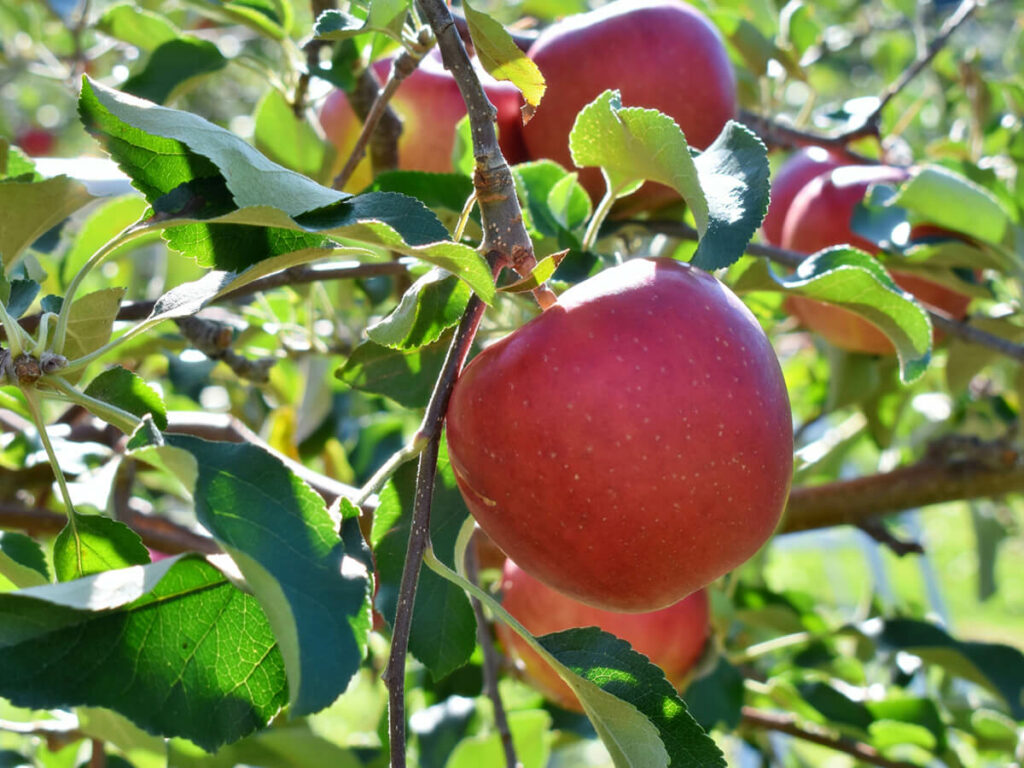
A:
x: 36, y: 142
x: 793, y: 175
x: 430, y: 105
x: 819, y: 217
x: 673, y: 638
x: 632, y: 443
x: 661, y: 54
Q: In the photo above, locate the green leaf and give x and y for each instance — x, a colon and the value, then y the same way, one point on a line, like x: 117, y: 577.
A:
x: 540, y: 274
x: 21, y: 294
x: 836, y: 707
x: 921, y: 712
x: 278, y: 531
x: 100, y: 544
x: 407, y: 376
x: 502, y: 58
x: 432, y: 304
x: 892, y: 733
x: 443, y: 625
x: 171, y: 67
x: 101, y: 226
x: 717, y: 698
x: 291, y: 745
x: 378, y: 219
x: 91, y: 321
x: 174, y: 646
x: 635, y: 710
x: 855, y: 281
x: 11, y: 759
x: 289, y: 139
x: 30, y: 208
x: 799, y: 26
x: 944, y: 198
x: 385, y: 16
x: 188, y: 298
x: 733, y: 173
x: 136, y: 26
x: 22, y: 561
x: 531, y: 738
x: 1000, y: 668
x: 965, y: 360
x: 569, y: 202
x: 15, y: 164
x: 434, y: 190
x: 122, y: 388
x: 162, y: 148
x: 632, y: 145
x: 263, y: 16
x: 462, y: 149
x: 535, y: 183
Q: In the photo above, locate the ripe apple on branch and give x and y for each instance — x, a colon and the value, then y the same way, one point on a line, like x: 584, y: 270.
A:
x: 632, y: 443
x: 819, y: 216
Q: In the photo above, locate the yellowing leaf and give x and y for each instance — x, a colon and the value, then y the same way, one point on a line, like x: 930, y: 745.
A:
x: 32, y: 207
x: 90, y: 321
x: 502, y: 58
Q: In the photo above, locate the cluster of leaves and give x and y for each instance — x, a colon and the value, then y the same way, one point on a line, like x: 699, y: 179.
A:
x: 210, y: 651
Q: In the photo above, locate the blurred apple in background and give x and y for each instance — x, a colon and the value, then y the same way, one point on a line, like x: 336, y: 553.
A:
x: 430, y: 105
x: 673, y: 638
x: 793, y: 175
x: 661, y: 54
x: 819, y: 217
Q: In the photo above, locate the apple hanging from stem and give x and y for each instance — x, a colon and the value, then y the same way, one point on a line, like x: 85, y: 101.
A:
x: 632, y: 443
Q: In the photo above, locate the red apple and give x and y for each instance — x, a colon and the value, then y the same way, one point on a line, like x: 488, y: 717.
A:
x: 794, y: 174
x: 672, y: 638
x: 820, y: 217
x: 430, y: 105
x: 632, y: 443
x: 661, y: 54
x: 36, y: 141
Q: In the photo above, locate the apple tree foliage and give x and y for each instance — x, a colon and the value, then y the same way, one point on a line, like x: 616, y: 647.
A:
x: 190, y: 300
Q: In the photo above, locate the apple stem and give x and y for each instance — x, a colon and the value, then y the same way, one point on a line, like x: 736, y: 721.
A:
x: 600, y: 214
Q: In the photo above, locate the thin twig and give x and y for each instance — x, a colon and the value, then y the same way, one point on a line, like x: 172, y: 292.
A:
x: 951, y: 25
x: 876, y: 529
x: 300, y: 275
x: 225, y: 427
x: 776, y: 134
x: 312, y: 49
x: 959, y: 328
x: 505, y: 242
x: 770, y: 721
x: 157, y: 533
x: 419, y: 535
x: 492, y: 662
x: 504, y: 230
x: 419, y: 532
x: 57, y: 733
x: 99, y: 755
x: 403, y: 66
